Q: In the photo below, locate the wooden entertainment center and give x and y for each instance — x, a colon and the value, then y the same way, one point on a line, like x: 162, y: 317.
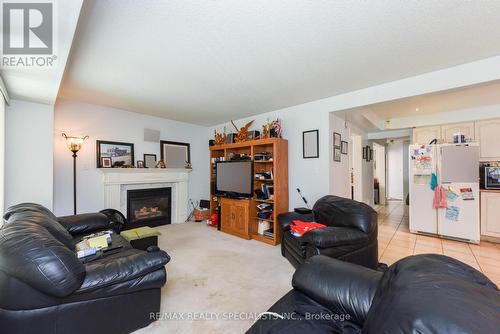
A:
x: 239, y: 216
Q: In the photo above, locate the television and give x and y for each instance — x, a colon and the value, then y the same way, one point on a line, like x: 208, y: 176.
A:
x: 234, y: 178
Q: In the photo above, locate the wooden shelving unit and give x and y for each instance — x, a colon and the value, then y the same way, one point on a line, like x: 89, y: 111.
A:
x: 279, y: 167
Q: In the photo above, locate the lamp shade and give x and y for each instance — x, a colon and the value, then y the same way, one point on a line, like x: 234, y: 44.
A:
x: 74, y: 143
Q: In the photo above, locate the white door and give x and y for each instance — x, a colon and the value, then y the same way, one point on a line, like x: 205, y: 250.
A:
x: 461, y: 218
x: 466, y: 128
x: 395, y: 170
x: 423, y: 218
x: 490, y: 213
x: 488, y: 136
x: 425, y: 135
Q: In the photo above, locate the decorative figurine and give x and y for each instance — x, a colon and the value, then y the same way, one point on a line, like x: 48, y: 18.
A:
x: 242, y: 133
x: 220, y: 138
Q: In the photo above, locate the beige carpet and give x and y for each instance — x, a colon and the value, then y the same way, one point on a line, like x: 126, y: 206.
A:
x: 214, y: 272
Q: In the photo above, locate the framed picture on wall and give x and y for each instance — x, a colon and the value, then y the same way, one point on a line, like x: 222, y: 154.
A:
x: 371, y: 154
x: 337, y: 139
x: 343, y: 147
x: 149, y: 160
x: 175, y: 154
x: 120, y: 154
x: 105, y: 162
x: 310, y: 144
x: 336, y: 154
x: 364, y: 153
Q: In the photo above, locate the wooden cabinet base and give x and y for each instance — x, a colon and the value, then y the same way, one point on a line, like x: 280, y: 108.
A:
x: 235, y: 217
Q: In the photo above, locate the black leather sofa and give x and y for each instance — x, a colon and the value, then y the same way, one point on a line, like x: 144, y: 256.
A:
x: 350, y: 235
x: 419, y: 294
x: 44, y: 288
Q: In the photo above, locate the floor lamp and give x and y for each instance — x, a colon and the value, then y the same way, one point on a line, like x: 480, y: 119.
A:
x: 74, y: 144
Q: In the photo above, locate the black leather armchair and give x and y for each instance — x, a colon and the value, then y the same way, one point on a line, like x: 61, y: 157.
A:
x: 419, y: 294
x: 44, y: 288
x: 350, y: 235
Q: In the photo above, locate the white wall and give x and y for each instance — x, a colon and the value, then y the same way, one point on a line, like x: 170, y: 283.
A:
x: 379, y: 170
x: 406, y: 170
x: 103, y: 123
x: 395, y: 170
x: 367, y: 176
x: 29, y: 153
x: 340, y: 172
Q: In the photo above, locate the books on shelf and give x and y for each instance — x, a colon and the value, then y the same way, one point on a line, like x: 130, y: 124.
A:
x: 269, y: 233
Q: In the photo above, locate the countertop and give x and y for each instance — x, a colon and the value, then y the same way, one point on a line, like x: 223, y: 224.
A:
x: 489, y: 190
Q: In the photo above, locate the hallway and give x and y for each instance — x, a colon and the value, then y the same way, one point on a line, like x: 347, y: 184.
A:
x: 395, y: 242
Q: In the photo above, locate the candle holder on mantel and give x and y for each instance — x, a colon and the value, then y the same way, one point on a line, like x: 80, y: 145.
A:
x: 74, y: 144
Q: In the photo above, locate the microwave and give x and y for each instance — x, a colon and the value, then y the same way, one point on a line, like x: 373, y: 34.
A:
x: 492, y: 177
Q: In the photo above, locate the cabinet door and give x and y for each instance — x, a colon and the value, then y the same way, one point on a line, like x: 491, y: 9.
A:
x: 425, y: 135
x: 488, y: 135
x: 490, y: 214
x: 227, y: 212
x: 240, y: 221
x: 448, y: 130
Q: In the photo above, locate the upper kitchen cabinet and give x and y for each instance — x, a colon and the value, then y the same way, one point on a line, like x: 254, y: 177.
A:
x: 426, y: 134
x: 488, y: 135
x: 448, y: 130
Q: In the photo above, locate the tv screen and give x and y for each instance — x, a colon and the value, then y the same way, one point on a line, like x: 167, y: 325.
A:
x: 234, y: 177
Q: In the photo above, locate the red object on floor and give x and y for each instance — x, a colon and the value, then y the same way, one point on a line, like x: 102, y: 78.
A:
x: 214, y: 219
x: 300, y: 227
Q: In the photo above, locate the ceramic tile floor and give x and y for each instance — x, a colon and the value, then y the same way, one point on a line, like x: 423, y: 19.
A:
x: 395, y: 242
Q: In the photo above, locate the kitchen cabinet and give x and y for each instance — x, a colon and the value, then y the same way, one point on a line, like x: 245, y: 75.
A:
x: 425, y: 135
x: 235, y: 217
x: 488, y: 135
x: 448, y: 130
x: 490, y: 214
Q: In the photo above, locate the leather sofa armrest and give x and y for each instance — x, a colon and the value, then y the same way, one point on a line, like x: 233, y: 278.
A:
x: 342, y: 287
x: 330, y: 236
x: 85, y: 223
x: 99, y: 274
x: 286, y: 219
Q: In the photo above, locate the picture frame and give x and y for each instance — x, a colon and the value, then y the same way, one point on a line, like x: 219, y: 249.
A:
x: 344, y: 147
x: 149, y: 160
x: 364, y: 152
x: 121, y: 154
x: 336, y: 154
x: 337, y: 139
x: 175, y: 154
x: 310, y: 144
x: 370, y: 157
x: 140, y: 164
x: 105, y: 162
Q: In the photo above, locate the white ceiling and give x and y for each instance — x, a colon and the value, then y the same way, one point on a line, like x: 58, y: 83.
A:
x: 471, y: 97
x: 207, y: 62
x: 457, y: 99
x: 42, y: 85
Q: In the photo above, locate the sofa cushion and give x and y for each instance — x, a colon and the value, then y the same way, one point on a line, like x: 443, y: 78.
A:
x: 433, y: 294
x: 302, y: 314
x: 37, y: 215
x: 33, y: 255
x: 332, y: 236
x: 343, y: 212
x: 30, y: 207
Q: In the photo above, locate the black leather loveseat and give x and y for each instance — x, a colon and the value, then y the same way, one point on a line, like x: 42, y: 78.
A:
x: 44, y: 288
x: 418, y: 294
x: 350, y: 235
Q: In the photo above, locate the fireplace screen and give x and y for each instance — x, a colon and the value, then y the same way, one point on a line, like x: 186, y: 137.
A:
x: 149, y: 207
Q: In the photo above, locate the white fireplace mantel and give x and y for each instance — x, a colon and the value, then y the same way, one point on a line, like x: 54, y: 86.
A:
x: 116, y: 182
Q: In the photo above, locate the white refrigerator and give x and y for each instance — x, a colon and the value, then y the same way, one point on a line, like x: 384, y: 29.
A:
x: 457, y: 170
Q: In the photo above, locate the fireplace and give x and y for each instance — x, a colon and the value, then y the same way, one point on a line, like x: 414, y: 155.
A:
x: 149, y: 207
